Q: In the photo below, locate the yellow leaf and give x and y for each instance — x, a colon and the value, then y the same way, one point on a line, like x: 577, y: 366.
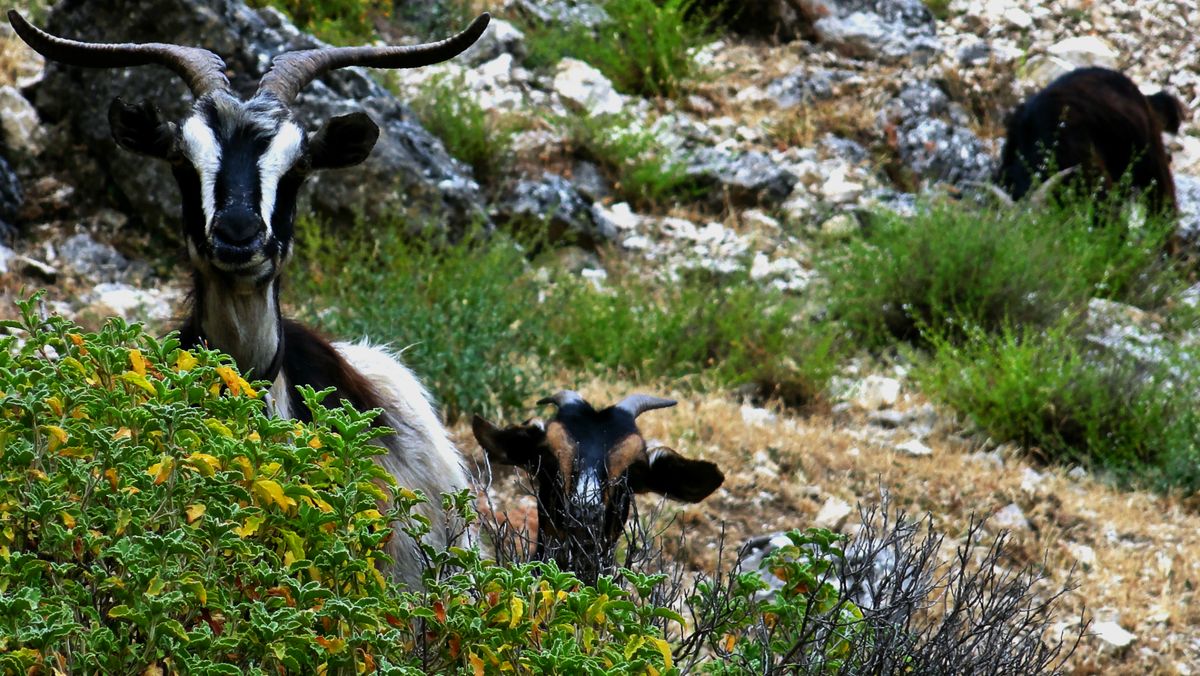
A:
x: 236, y: 384
x: 254, y: 436
x: 314, y: 442
x: 68, y: 520
x: 185, y: 361
x: 730, y: 640
x: 161, y: 470
x: 111, y: 475
x: 56, y: 406
x: 218, y: 427
x: 58, y: 436
x: 665, y: 649
x: 476, y: 663
x: 195, y: 512
x: 250, y: 527
x: 331, y: 645
x: 269, y: 491
x: 516, y: 608
x: 123, y: 433
x: 244, y: 464
x: 155, y: 587
x: 137, y: 362
x: 204, y: 463
x: 139, y: 380
x: 76, y: 339
x: 153, y: 670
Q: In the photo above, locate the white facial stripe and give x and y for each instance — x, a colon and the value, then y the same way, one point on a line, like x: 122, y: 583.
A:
x: 279, y: 158
x: 201, y: 147
x: 587, y: 490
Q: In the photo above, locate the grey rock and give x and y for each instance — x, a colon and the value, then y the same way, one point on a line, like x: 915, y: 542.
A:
x: 589, y: 181
x: 933, y: 140
x: 11, y: 199
x: 96, y: 260
x: 554, y: 201
x: 747, y: 179
x: 1187, y: 228
x: 844, y: 148
x: 409, y: 168
x: 35, y: 268
x: 501, y: 37
x: 802, y: 86
x: 22, y: 130
x: 885, y: 30
x: 561, y: 12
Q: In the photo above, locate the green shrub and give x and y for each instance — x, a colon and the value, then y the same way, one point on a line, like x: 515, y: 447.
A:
x: 642, y: 170
x: 335, y: 21
x: 468, y: 131
x: 486, y: 333
x: 991, y: 268
x: 1050, y: 391
x: 645, y: 47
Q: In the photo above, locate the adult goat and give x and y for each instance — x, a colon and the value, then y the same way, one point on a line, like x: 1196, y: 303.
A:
x: 239, y: 165
x: 1095, y: 120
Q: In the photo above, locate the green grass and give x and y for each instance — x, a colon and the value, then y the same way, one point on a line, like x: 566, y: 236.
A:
x: 487, y: 333
x: 645, y: 47
x: 335, y: 21
x: 1066, y: 400
x: 469, y: 132
x: 642, y: 170
x: 993, y: 268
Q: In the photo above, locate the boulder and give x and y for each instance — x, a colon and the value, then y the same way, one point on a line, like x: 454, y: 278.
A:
x: 883, y: 30
x: 501, y: 37
x: 92, y: 259
x: 933, y: 139
x: 748, y: 179
x: 408, y: 168
x: 11, y: 198
x: 554, y: 200
x: 561, y: 12
x: 20, y: 129
x: 586, y: 89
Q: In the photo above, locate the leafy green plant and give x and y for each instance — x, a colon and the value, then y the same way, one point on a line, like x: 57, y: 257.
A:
x: 990, y: 268
x: 336, y: 21
x: 1049, y: 390
x: 645, y: 46
x: 469, y: 132
x: 643, y: 171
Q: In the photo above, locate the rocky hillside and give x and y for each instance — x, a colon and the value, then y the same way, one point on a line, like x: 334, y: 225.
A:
x: 803, y: 121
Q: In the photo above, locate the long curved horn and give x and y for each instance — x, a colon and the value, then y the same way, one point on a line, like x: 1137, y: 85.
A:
x: 290, y: 72
x: 202, y: 70
x: 637, y: 404
x: 995, y: 191
x: 562, y: 398
x: 1039, y: 196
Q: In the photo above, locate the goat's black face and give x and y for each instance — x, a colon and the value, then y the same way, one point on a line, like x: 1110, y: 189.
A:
x: 587, y: 465
x: 240, y: 166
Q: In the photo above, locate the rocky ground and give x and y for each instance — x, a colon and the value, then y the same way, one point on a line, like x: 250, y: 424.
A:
x: 873, y: 103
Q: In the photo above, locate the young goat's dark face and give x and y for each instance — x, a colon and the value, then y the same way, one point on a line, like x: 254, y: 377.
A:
x: 587, y: 465
x: 240, y: 165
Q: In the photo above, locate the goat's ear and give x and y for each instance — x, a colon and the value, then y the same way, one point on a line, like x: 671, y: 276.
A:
x: 675, y: 476
x: 141, y: 128
x: 344, y: 141
x: 518, y: 445
x: 1169, y: 111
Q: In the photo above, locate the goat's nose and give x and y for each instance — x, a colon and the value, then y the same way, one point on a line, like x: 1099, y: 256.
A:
x: 236, y: 228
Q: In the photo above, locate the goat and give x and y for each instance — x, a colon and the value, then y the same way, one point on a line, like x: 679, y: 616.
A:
x: 1097, y: 120
x: 239, y: 165
x: 587, y: 465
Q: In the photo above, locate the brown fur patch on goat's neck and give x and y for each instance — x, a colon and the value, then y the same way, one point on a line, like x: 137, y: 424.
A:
x: 564, y: 447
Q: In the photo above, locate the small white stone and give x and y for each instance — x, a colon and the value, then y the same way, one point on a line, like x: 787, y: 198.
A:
x: 1087, y: 50
x: 915, y: 448
x: 1112, y: 634
x: 596, y: 276
x: 833, y: 513
x: 19, y: 122
x: 756, y: 218
x: 840, y: 190
x: 760, y: 417
x: 840, y: 225
x: 876, y: 392
x: 1082, y: 553
x: 1010, y: 517
x: 1018, y: 17
x: 621, y: 216
x: 586, y: 88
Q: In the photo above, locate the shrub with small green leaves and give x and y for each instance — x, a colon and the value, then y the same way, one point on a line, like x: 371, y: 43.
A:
x: 988, y: 267
x: 469, y: 132
x: 644, y: 46
x: 336, y: 21
x: 1052, y: 391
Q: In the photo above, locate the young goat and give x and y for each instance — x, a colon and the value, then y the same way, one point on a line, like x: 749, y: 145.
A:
x: 240, y: 165
x: 1097, y: 121
x: 587, y: 465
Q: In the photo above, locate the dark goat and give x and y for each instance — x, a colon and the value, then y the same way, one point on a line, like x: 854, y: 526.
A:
x: 587, y: 465
x: 1095, y: 119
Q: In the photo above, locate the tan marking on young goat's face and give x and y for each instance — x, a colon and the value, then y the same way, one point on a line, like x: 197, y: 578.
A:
x: 626, y: 452
x: 564, y: 448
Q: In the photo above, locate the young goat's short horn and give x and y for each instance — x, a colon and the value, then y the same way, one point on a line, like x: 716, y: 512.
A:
x: 562, y: 398
x: 637, y: 404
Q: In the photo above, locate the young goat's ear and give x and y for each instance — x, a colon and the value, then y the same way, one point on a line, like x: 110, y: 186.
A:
x: 516, y: 445
x: 1169, y: 110
x: 675, y: 476
x: 140, y: 128
x: 344, y: 141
